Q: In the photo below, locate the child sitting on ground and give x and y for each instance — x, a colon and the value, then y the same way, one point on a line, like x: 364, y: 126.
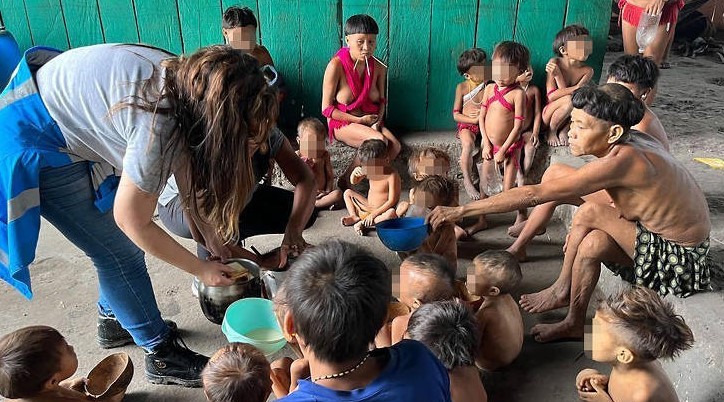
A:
x: 468, y: 98
x: 501, y: 119
x: 237, y: 372
x: 566, y: 73
x: 36, y: 363
x: 312, y: 150
x: 384, y: 192
x: 448, y: 329
x: 630, y: 331
x: 495, y: 274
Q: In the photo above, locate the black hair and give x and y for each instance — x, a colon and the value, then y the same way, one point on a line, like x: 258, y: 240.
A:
x: 337, y: 294
x: 566, y: 34
x: 235, y: 17
x: 371, y: 149
x: 448, y: 329
x: 434, y: 264
x: 635, y: 69
x: 469, y: 58
x: 610, y: 102
x: 361, y: 24
x: 443, y: 188
x: 513, y: 53
x: 29, y: 357
x: 503, y: 268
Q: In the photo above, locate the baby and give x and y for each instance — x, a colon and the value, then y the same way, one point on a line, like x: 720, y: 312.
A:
x: 237, y: 372
x: 468, y: 98
x: 312, y: 149
x: 448, y: 329
x: 566, y: 73
x: 495, y: 275
x: 35, y: 365
x: 630, y: 331
x: 384, y: 193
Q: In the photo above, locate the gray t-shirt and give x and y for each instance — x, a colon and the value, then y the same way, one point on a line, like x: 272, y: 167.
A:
x: 82, y: 85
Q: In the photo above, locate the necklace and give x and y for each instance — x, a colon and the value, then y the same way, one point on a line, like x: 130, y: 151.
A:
x: 471, y: 87
x: 344, y: 373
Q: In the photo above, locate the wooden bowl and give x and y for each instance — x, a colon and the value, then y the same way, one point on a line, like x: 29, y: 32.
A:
x: 110, y: 377
x: 470, y: 299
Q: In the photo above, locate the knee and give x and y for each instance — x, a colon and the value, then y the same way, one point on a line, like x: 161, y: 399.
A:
x: 587, y: 214
x: 593, y: 246
x: 348, y: 194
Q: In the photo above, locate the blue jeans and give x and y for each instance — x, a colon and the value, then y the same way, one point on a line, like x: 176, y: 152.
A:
x: 66, y: 201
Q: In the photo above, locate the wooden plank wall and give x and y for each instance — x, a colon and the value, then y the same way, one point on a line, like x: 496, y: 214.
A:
x: 419, y: 39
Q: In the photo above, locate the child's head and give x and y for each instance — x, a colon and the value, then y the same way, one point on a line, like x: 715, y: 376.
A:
x: 602, y: 116
x: 311, y: 136
x: 237, y: 372
x: 637, y: 73
x: 573, y: 41
x: 471, y: 65
x: 33, y: 359
x: 637, y: 325
x: 434, y: 191
x: 239, y: 28
x: 373, y: 156
x: 429, y: 161
x: 494, y: 273
x: 448, y: 329
x: 425, y: 278
x: 335, y: 300
x: 509, y: 60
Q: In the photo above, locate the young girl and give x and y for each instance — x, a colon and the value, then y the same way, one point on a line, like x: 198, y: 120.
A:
x: 312, y: 149
x: 566, y: 73
x: 501, y: 117
x: 468, y: 98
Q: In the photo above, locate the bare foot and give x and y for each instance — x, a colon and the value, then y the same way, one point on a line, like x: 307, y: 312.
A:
x: 547, y: 299
x: 563, y: 137
x: 473, y: 193
x: 519, y: 255
x: 560, y: 331
x: 517, y: 228
x: 553, y: 139
x: 360, y: 228
x: 476, y: 227
x: 350, y: 220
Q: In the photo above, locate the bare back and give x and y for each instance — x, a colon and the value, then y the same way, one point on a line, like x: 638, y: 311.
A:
x: 465, y: 385
x: 651, y: 125
x: 502, y: 332
x: 649, y: 384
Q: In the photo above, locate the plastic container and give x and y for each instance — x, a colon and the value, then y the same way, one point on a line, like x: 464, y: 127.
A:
x: 403, y: 234
x: 252, y: 320
x: 491, y: 177
x: 646, y: 31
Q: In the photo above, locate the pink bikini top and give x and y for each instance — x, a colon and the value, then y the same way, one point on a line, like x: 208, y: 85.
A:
x: 500, y: 97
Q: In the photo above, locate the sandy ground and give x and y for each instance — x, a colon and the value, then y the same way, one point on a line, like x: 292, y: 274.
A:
x: 690, y: 104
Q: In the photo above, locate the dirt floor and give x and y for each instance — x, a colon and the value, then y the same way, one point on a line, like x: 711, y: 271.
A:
x: 690, y: 104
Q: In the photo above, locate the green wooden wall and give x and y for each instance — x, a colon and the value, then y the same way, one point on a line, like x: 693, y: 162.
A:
x: 419, y: 39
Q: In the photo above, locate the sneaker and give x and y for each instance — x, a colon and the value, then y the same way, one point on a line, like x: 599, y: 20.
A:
x: 172, y: 362
x: 112, y: 335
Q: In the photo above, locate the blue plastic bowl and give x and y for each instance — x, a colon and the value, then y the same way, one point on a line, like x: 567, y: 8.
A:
x: 402, y: 234
x: 252, y: 320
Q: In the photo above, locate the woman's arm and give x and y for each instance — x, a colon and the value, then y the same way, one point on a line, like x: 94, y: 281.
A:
x: 329, y: 94
x: 382, y: 87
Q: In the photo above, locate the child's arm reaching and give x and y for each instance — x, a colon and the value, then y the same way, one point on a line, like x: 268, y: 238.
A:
x: 485, y: 142
x: 519, y: 117
x: 564, y: 91
x: 381, y: 82
x: 458, y: 115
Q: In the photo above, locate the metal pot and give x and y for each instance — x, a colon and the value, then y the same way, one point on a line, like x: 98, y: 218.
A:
x: 214, y: 300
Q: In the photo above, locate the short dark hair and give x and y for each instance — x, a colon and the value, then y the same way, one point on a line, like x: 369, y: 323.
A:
x: 311, y: 123
x: 441, y: 187
x: 371, y: 149
x: 471, y: 57
x: 29, y: 357
x: 503, y: 268
x: 337, y: 294
x: 610, y: 102
x: 566, y: 34
x: 238, y: 17
x: 237, y: 372
x: 648, y: 323
x: 513, y: 53
x: 635, y: 69
x: 435, y: 153
x: 439, y: 268
x: 448, y: 329
x: 361, y: 24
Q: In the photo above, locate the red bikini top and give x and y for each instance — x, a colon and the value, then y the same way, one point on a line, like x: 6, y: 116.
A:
x: 500, y: 97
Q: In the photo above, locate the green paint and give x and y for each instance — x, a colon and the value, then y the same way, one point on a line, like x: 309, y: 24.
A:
x: 16, y: 22
x: 319, y: 42
x: 200, y: 23
x: 596, y: 16
x: 119, y: 21
x: 84, y: 26
x: 377, y: 9
x: 537, y: 32
x: 46, y: 23
x: 453, y: 31
x: 409, y: 63
x: 496, y: 22
x: 158, y: 24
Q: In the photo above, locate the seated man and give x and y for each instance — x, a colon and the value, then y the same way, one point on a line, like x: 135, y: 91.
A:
x: 655, y: 233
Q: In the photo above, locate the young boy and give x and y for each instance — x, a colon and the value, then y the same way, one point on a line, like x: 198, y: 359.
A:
x: 237, y: 372
x: 311, y: 135
x: 468, y: 98
x: 35, y: 365
x: 429, y: 161
x: 495, y: 274
x: 566, y: 73
x: 630, y: 331
x: 448, y: 329
x: 239, y: 29
x: 639, y: 74
x: 384, y: 193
